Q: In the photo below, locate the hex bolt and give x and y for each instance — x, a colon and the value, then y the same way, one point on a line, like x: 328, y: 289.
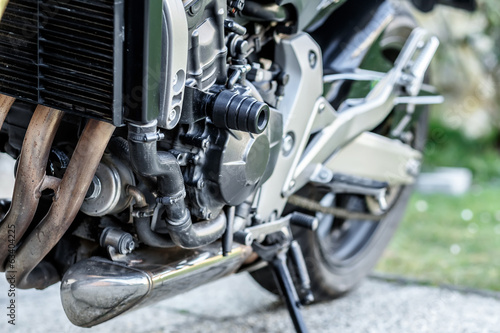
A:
x: 94, y: 189
x: 130, y: 246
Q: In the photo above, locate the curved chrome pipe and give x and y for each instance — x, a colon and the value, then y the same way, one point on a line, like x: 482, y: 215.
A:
x: 67, y: 201
x: 31, y: 177
x: 5, y: 105
x: 96, y: 290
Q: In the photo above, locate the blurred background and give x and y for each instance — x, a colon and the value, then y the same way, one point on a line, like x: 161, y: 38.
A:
x: 451, y: 231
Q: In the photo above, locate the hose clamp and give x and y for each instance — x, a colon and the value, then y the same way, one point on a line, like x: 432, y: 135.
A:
x: 171, y: 200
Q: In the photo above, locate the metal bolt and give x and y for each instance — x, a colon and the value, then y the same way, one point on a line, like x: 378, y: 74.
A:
x: 172, y: 115
x: 195, y: 8
x: 288, y: 143
x: 195, y: 159
x: 323, y: 175
x: 313, y: 58
x: 413, y: 167
x: 205, y: 144
x: 200, y: 184
x: 130, y: 246
x: 291, y: 185
x: 321, y: 107
x: 94, y: 189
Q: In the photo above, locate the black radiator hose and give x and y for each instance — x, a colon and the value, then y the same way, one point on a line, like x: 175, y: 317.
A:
x: 148, y: 161
x: 149, y: 237
x: 188, y: 235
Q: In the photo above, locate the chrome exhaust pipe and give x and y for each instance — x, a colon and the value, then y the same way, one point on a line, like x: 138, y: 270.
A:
x: 68, y: 198
x: 31, y: 178
x: 96, y: 290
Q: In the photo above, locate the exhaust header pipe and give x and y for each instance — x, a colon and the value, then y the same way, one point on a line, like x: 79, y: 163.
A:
x: 5, y: 101
x: 96, y: 290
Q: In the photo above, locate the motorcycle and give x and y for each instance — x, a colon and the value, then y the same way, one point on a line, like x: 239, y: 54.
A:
x: 164, y: 144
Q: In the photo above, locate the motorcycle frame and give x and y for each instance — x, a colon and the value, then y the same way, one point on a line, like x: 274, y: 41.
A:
x: 351, y: 123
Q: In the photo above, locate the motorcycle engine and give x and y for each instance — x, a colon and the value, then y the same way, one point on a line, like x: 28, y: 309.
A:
x: 228, y: 139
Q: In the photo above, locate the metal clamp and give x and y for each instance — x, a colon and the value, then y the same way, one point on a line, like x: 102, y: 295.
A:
x: 146, y: 137
x: 171, y: 199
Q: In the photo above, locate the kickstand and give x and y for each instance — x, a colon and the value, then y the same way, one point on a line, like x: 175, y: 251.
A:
x: 277, y: 255
x: 288, y: 290
x: 279, y: 246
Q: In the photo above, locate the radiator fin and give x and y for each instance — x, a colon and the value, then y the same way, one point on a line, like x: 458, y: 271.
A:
x: 60, y: 54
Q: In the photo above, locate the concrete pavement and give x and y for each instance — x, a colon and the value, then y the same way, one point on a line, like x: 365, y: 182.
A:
x: 238, y: 304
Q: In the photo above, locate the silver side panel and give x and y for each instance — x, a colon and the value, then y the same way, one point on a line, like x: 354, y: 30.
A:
x: 390, y: 160
x: 175, y: 45
x: 299, y: 108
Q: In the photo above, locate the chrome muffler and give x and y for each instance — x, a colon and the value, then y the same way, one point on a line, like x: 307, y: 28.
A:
x: 96, y: 290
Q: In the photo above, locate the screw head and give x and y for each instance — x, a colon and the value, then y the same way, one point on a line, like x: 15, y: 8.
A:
x: 288, y: 143
x: 323, y: 175
x: 313, y: 59
x: 321, y: 107
x: 172, y: 114
x: 130, y: 246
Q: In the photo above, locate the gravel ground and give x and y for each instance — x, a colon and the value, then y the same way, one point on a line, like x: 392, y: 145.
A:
x: 238, y: 304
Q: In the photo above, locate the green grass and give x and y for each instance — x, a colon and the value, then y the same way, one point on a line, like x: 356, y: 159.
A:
x: 450, y: 147
x: 435, y: 243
